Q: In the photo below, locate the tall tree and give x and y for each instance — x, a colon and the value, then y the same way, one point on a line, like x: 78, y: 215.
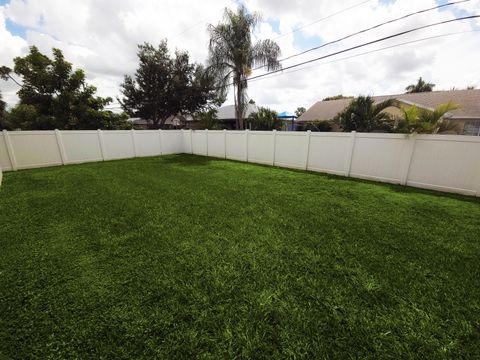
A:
x: 165, y: 86
x: 233, y: 54
x: 53, y: 95
x: 420, y: 86
x: 363, y: 115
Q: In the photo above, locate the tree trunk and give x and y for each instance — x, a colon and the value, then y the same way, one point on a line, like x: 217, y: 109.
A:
x: 239, y: 103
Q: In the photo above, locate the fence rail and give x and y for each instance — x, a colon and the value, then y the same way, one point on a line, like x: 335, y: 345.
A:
x: 440, y: 162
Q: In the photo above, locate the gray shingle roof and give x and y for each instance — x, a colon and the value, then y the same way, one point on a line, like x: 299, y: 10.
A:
x: 228, y: 112
x: 469, y: 101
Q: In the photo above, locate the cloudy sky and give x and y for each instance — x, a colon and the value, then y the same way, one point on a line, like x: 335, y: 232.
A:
x: 100, y: 36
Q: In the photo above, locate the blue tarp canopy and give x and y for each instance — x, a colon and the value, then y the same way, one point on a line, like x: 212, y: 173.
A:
x: 287, y: 115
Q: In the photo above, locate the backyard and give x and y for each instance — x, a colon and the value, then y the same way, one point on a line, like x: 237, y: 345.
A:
x: 185, y: 256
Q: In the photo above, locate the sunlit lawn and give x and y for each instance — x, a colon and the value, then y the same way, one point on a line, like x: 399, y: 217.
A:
x: 183, y: 256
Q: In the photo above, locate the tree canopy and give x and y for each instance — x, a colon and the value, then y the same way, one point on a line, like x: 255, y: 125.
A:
x: 233, y: 54
x: 420, y: 86
x: 55, y: 96
x: 165, y: 86
x: 300, y: 110
x: 3, y: 107
x: 337, y: 97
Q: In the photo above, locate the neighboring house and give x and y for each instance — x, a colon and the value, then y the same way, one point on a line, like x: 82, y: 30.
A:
x: 226, y: 115
x: 467, y: 115
x: 173, y: 122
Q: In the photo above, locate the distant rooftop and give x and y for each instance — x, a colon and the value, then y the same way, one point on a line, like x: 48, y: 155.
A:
x: 468, y: 100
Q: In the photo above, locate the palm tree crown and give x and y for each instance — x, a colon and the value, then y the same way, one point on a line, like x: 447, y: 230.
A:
x: 420, y: 86
x: 232, y: 54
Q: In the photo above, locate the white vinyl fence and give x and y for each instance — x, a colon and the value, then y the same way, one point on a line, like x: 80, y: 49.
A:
x: 440, y: 162
x: 32, y: 149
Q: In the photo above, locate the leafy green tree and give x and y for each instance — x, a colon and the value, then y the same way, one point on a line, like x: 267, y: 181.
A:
x: 300, y: 110
x: 53, y: 95
x: 337, y: 97
x: 424, y: 121
x: 420, y: 86
x: 233, y: 54
x: 363, y: 115
x: 264, y: 119
x: 165, y: 86
x: 3, y: 119
x: 208, y: 119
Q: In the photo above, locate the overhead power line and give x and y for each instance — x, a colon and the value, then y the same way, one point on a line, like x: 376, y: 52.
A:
x: 369, y: 52
x: 366, y: 44
x: 367, y: 29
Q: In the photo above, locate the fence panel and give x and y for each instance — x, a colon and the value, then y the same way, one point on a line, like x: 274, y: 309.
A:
x: 199, y: 142
x: 290, y: 149
x: 172, y: 142
x: 118, y: 144
x: 260, y: 147
x: 5, y: 163
x: 447, y: 163
x: 216, y: 143
x: 35, y: 149
x: 329, y: 152
x: 147, y: 142
x: 380, y: 157
x: 81, y: 146
x: 236, y: 145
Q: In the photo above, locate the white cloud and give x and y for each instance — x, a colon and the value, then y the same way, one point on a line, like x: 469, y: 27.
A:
x: 101, y: 37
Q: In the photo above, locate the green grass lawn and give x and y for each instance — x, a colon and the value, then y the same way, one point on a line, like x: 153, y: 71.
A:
x: 183, y: 256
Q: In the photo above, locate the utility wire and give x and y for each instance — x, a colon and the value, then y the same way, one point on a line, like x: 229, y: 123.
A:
x: 367, y: 29
x: 322, y: 19
x: 369, y: 52
x: 366, y: 44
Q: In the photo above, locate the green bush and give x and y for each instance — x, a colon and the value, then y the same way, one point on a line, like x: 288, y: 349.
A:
x: 264, y: 119
x: 316, y: 126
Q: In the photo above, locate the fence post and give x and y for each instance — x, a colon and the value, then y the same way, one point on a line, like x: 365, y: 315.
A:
x: 274, y: 134
x: 61, y: 149
x: 183, y: 140
x: 132, y: 132
x: 246, y: 145
x: 102, y: 144
x: 191, y: 141
x: 11, y: 153
x: 206, y: 139
x: 225, y: 142
x: 307, y: 148
x: 350, y: 154
x: 412, y: 142
x: 160, y: 138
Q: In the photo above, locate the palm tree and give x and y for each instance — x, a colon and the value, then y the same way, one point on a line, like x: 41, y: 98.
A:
x: 420, y: 86
x: 232, y: 54
x: 364, y: 115
x: 424, y: 121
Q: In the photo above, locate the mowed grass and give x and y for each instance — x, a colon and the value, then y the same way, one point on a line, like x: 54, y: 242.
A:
x: 188, y: 257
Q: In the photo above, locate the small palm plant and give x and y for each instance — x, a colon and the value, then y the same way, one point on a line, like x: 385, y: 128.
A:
x: 424, y: 121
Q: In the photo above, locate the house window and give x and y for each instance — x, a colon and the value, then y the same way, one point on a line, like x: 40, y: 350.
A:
x: 472, y: 127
